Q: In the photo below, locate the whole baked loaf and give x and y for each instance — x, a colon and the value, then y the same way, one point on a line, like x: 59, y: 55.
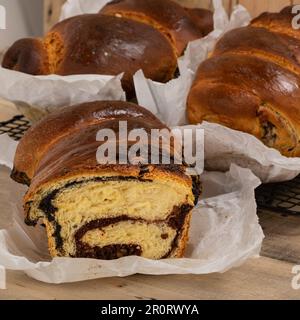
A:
x: 251, y: 82
x: 96, y: 44
x: 98, y: 210
x: 125, y: 37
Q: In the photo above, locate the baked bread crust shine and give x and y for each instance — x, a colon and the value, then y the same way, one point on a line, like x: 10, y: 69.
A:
x: 96, y: 44
x: 251, y: 82
x: 178, y: 24
x: 150, y: 36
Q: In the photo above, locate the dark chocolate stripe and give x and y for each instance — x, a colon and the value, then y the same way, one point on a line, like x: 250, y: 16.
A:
x: 110, y: 252
x: 176, y: 221
x: 105, y: 179
x: 197, y: 188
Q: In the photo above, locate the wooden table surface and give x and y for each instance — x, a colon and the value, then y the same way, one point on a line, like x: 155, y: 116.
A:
x: 269, y: 277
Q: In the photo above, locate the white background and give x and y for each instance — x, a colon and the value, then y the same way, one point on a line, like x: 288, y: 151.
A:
x: 24, y: 18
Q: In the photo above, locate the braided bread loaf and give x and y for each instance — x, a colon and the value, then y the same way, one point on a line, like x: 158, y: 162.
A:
x: 107, y: 44
x: 251, y: 82
x: 96, y: 210
x: 95, y: 44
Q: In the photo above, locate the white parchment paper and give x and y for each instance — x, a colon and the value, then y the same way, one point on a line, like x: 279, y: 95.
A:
x: 51, y: 92
x: 223, y: 146
x: 224, y: 233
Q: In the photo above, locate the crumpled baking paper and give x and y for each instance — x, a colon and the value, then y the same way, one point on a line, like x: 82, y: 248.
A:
x: 224, y: 233
x: 51, y: 92
x: 223, y: 146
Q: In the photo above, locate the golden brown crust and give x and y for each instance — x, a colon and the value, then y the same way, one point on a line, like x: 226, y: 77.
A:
x: 166, y: 16
x: 65, y: 122
x: 184, y: 238
x: 96, y: 44
x: 280, y: 48
x: 202, y: 18
x: 64, y: 146
x: 28, y: 56
x: 51, y: 239
x: 251, y: 83
x: 278, y: 22
x: 108, y: 45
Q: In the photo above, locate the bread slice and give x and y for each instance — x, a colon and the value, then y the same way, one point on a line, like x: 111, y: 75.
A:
x: 102, y: 211
x: 110, y: 214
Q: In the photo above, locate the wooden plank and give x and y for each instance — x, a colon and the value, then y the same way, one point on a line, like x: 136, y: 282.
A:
x: 282, y: 240
x: 257, y: 7
x: 258, y: 279
x: 207, y: 4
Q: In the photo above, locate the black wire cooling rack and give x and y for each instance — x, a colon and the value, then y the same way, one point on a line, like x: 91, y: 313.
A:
x: 280, y: 197
x: 15, y: 127
x: 283, y: 198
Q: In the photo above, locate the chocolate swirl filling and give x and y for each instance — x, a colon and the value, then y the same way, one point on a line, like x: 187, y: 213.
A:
x: 175, y: 220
